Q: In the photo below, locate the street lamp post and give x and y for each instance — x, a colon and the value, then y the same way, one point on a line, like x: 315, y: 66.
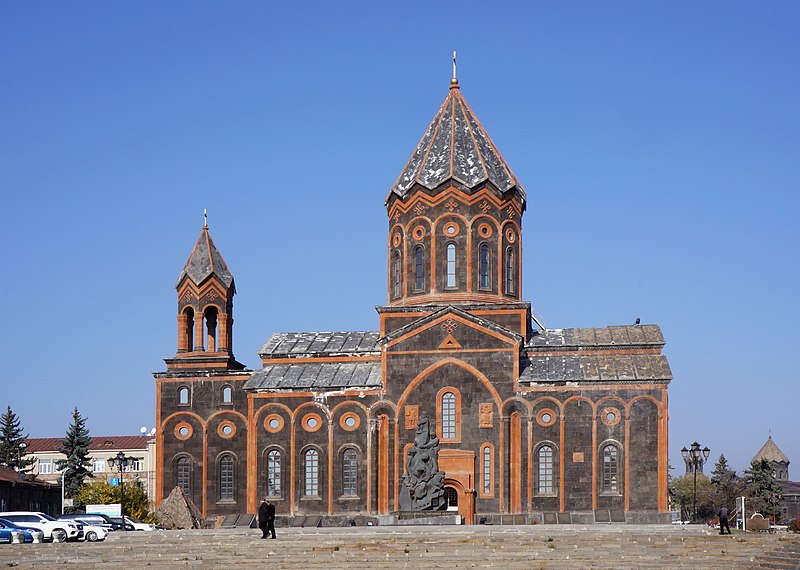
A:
x: 693, y: 457
x: 121, y: 461
x: 20, y: 454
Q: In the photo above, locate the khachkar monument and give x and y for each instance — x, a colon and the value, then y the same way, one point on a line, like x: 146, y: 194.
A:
x: 424, y: 481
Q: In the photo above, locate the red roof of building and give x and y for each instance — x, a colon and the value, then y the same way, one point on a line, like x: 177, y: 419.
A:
x: 109, y: 443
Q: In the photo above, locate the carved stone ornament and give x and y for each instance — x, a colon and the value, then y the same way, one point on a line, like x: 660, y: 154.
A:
x: 486, y: 413
x: 423, y: 479
x: 412, y: 416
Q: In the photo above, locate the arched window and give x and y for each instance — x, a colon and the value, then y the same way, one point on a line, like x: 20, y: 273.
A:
x: 544, y: 470
x: 183, y: 473
x: 484, y: 282
x: 274, y: 473
x: 227, y: 395
x: 312, y: 473
x: 451, y: 265
x: 350, y: 473
x: 487, y: 470
x: 183, y: 396
x: 396, y: 275
x: 211, y: 328
x: 188, y: 332
x: 419, y: 271
x: 448, y: 415
x: 509, y: 271
x: 226, y: 473
x: 610, y: 469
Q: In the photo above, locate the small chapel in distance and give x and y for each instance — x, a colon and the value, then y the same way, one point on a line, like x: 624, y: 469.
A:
x: 551, y: 425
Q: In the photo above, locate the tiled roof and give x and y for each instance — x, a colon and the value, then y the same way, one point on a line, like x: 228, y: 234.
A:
x: 110, y: 443
x: 771, y: 452
x: 316, y: 376
x: 456, y: 146
x: 306, y: 344
x: 617, y: 368
x: 204, y: 261
x: 636, y: 335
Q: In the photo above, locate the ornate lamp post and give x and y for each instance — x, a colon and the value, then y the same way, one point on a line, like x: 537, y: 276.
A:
x: 695, y: 457
x: 121, y: 461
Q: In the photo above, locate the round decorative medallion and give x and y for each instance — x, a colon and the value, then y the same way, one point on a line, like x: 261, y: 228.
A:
x: 350, y: 421
x: 546, y: 417
x: 418, y: 233
x: 226, y: 429
x: 312, y: 422
x: 610, y: 416
x: 273, y: 423
x: 183, y: 431
x: 396, y: 239
x: 511, y: 237
x: 485, y: 230
x: 451, y: 229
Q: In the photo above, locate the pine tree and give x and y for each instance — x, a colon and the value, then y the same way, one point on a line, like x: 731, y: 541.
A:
x: 13, y: 443
x: 764, y: 492
x: 726, y: 483
x: 76, y: 447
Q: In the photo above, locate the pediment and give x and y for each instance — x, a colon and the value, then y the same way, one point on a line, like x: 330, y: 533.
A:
x: 448, y: 330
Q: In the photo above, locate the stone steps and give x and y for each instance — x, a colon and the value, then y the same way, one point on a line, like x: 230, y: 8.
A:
x: 529, y: 547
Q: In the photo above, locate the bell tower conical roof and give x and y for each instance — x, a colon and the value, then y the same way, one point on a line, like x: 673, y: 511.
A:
x: 204, y: 261
x: 456, y: 146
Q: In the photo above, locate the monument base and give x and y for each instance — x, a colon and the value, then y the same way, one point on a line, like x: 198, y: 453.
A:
x: 421, y: 518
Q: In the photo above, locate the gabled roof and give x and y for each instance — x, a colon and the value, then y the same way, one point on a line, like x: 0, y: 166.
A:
x: 450, y: 309
x: 613, y: 336
x: 770, y: 452
x: 595, y: 368
x: 204, y: 261
x: 104, y: 443
x: 316, y: 376
x: 456, y: 146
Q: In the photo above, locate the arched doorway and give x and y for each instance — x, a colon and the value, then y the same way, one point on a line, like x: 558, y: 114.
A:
x: 451, y: 497
x: 460, y: 499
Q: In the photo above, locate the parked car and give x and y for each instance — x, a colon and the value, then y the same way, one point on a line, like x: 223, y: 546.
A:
x: 133, y: 524
x: 93, y: 532
x: 8, y: 535
x: 53, y: 529
x: 30, y: 534
x: 92, y: 518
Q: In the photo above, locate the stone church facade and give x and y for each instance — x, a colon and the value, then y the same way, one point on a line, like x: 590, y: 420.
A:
x: 552, y: 424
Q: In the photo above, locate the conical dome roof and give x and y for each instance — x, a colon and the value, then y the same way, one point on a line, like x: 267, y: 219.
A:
x: 771, y: 452
x: 456, y: 146
x: 204, y: 261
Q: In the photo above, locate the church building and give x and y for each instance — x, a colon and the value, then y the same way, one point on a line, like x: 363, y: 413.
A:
x: 547, y: 425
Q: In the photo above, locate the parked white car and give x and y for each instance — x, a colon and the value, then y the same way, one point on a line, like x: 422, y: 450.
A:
x: 57, y: 530
x: 92, y: 532
x: 137, y: 525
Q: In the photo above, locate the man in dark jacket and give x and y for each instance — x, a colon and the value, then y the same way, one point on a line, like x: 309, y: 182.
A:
x: 723, y: 520
x: 266, y: 518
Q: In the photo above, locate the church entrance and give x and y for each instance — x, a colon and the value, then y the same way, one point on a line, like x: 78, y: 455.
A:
x: 451, y: 496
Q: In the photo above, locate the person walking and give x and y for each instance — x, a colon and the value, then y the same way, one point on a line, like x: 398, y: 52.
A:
x: 723, y: 520
x: 266, y: 518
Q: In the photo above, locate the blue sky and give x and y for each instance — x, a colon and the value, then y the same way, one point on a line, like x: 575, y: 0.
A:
x: 658, y: 144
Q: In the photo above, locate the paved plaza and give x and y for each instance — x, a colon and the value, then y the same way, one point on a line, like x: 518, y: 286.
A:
x: 530, y: 547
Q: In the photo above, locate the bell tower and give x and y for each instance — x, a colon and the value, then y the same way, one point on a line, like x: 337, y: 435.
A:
x: 205, y: 310
x: 455, y: 216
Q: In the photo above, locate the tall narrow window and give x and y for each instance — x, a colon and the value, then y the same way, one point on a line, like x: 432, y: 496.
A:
x: 544, y: 473
x: 227, y: 394
x: 487, y: 470
x: 449, y: 416
x: 211, y: 329
x: 451, y: 265
x: 312, y: 473
x: 274, y: 473
x: 184, y: 475
x: 189, y: 330
x: 610, y: 469
x: 418, y: 269
x: 226, y: 478
x: 484, y: 266
x: 350, y: 473
x: 396, y: 275
x: 183, y: 395
x: 509, y: 271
